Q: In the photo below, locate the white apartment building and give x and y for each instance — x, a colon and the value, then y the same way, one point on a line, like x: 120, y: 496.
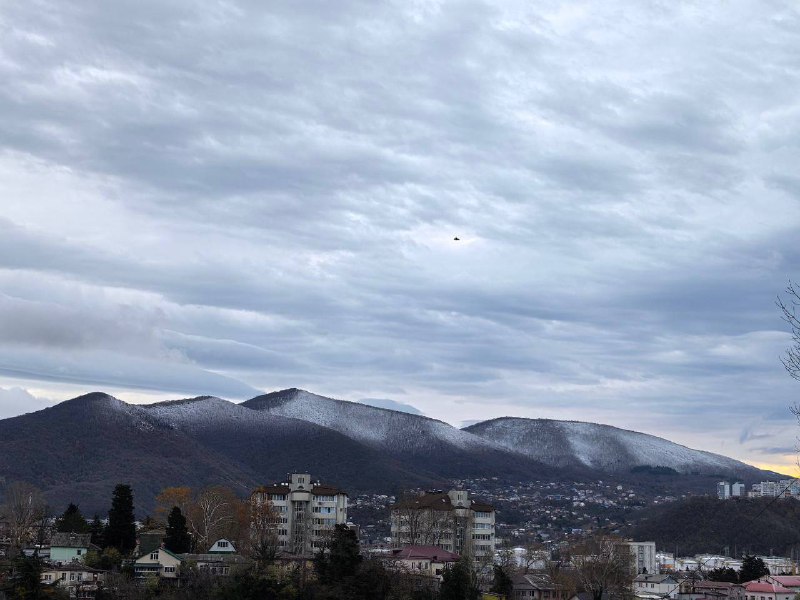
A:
x: 307, y: 511
x: 643, y: 557
x: 451, y: 521
x: 723, y: 490
x: 784, y: 487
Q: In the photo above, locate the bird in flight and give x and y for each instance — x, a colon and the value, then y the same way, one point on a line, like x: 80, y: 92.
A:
x: 456, y: 239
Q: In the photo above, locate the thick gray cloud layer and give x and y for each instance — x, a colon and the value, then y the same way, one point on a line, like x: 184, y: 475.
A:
x: 229, y: 197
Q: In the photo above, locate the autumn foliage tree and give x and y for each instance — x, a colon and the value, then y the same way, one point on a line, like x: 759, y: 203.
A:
x: 23, y: 508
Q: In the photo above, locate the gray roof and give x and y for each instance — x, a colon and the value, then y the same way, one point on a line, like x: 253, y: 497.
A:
x: 71, y: 540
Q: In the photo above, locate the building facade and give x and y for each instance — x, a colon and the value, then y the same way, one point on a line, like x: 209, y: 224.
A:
x: 643, y: 557
x: 451, y: 521
x: 306, y: 512
x: 69, y: 547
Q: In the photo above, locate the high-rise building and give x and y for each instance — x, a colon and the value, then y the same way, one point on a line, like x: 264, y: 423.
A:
x: 723, y: 490
x: 738, y: 490
x: 305, y: 512
x: 451, y: 521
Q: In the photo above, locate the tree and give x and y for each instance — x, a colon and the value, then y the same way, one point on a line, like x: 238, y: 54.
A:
x: 723, y: 574
x: 97, y: 529
x: 214, y: 515
x: 72, y: 521
x: 177, y: 539
x: 121, y: 530
x: 458, y: 582
x: 341, y: 558
x: 789, y: 308
x: 752, y: 568
x: 502, y: 584
x: 170, y: 497
x: 602, y: 566
x: 24, y: 508
x: 263, y: 525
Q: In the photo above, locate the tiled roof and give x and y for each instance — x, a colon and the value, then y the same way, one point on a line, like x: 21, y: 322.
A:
x: 71, y: 540
x: 317, y: 490
x: 787, y: 580
x: 759, y: 586
x: 439, y: 501
x: 433, y: 553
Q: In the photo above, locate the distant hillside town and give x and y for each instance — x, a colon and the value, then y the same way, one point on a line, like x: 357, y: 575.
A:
x: 297, y: 538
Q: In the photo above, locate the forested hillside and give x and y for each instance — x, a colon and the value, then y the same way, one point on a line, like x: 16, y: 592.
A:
x: 697, y: 525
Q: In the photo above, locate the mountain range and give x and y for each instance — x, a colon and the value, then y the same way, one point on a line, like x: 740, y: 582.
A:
x: 79, y: 449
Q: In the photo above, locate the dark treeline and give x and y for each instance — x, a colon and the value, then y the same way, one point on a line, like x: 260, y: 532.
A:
x: 740, y: 525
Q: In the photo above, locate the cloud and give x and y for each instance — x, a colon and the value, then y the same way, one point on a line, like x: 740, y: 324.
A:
x: 257, y: 196
x: 391, y: 405
x: 16, y: 401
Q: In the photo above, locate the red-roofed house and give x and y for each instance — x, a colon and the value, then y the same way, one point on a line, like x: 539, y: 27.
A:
x: 765, y: 590
x: 791, y: 582
x: 425, y: 560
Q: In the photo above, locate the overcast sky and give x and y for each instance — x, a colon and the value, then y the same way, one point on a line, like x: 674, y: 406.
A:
x: 231, y: 197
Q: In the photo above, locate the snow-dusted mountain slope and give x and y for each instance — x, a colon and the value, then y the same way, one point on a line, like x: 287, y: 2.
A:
x: 376, y: 427
x: 603, y: 447
x: 415, y: 441
x: 273, y: 445
x: 79, y: 449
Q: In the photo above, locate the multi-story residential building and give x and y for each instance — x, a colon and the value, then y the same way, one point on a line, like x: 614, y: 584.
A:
x: 723, y: 490
x: 784, y: 487
x: 306, y: 512
x: 451, y: 521
x: 738, y: 490
x: 643, y: 557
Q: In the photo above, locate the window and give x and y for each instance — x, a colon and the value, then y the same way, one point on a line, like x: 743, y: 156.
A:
x: 223, y: 544
x: 63, y: 576
x: 154, y: 555
x: 326, y: 498
x: 79, y: 551
x: 72, y: 577
x: 169, y: 569
x: 278, y: 497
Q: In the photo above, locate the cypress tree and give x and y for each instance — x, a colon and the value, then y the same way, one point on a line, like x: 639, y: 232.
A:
x: 177, y: 539
x: 72, y: 521
x: 121, y: 530
x: 97, y: 530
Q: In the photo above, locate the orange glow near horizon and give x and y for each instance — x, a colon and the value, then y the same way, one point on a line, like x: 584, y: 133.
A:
x: 790, y: 469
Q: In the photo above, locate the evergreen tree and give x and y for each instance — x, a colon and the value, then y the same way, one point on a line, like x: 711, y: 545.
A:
x: 121, y: 530
x: 97, y: 529
x: 752, y: 568
x: 502, y: 583
x: 723, y: 574
x: 342, y: 557
x: 177, y: 539
x: 458, y: 582
x: 72, y: 521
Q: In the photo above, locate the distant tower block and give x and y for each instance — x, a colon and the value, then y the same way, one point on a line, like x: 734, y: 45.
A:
x: 723, y: 490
